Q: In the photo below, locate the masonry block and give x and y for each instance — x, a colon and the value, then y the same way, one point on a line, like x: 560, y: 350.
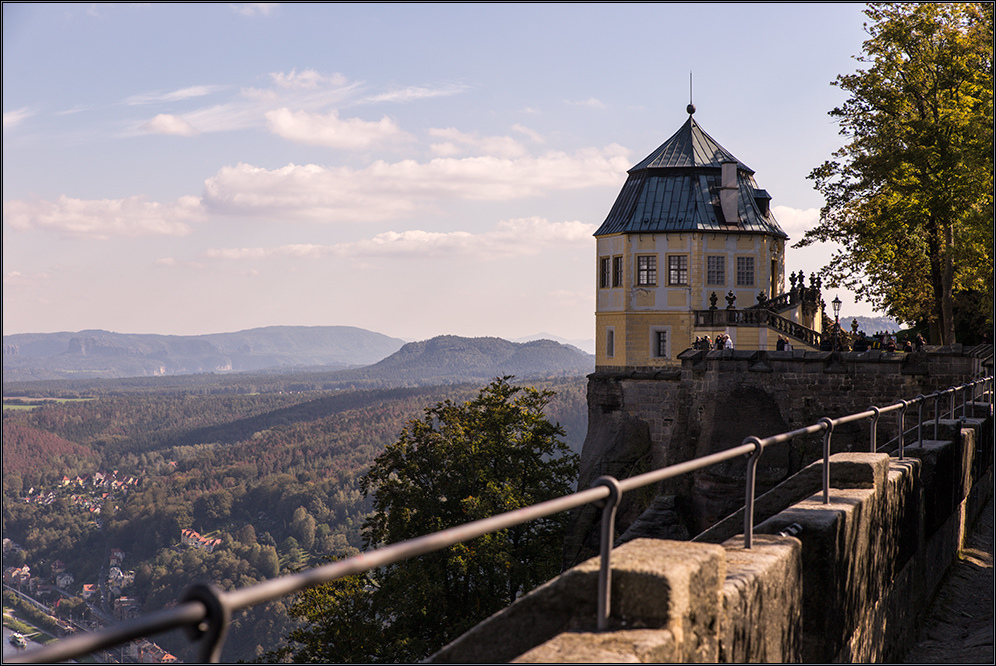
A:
x: 634, y: 646
x: 762, y: 601
x: 669, y: 585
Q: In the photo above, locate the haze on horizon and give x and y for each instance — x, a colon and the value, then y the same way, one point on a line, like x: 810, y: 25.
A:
x: 414, y: 170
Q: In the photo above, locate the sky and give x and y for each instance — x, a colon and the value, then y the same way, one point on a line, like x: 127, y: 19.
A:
x: 411, y: 169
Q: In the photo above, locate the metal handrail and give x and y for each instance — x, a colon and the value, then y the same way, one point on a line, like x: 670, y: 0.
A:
x: 205, y: 610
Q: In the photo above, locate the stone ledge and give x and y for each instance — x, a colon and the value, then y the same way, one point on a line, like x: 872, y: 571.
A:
x: 633, y: 646
x: 669, y: 585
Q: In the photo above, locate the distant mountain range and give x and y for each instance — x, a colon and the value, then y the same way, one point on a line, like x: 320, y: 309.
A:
x: 355, y: 353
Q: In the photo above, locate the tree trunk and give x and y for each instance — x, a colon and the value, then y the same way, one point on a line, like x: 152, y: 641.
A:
x: 947, y: 287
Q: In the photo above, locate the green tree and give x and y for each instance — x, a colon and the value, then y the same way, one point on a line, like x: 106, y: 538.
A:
x: 910, y: 196
x: 341, y: 624
x: 457, y: 464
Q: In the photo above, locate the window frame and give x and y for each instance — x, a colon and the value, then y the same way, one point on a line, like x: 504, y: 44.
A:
x: 604, y: 266
x: 742, y: 271
x: 655, y: 342
x: 721, y: 270
x: 646, y: 275
x: 617, y: 271
x: 677, y: 276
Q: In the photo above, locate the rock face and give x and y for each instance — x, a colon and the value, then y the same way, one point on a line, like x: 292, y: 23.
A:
x: 643, y: 421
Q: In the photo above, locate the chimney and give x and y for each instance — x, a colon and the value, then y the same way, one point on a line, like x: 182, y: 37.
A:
x: 728, y: 192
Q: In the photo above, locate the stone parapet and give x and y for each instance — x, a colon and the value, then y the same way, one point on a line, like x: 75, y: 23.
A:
x: 851, y: 584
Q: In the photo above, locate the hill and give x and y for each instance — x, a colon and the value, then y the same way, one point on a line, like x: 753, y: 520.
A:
x: 105, y: 354
x: 451, y: 359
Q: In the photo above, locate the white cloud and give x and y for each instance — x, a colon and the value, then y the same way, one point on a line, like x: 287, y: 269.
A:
x: 412, y: 93
x: 19, y: 279
x: 794, y: 221
x: 384, y: 189
x: 532, y: 134
x: 254, y: 8
x: 497, y: 146
x: 166, y: 123
x: 309, y: 79
x: 175, y: 96
x: 14, y: 118
x: 104, y: 218
x: 516, y: 237
x: 328, y: 130
x: 590, y: 102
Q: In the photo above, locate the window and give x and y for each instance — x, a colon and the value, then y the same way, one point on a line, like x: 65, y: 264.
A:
x: 658, y: 342
x: 646, y: 270
x: 617, y: 270
x: 603, y: 272
x: 610, y: 342
x: 715, y: 270
x: 677, y: 269
x: 745, y: 271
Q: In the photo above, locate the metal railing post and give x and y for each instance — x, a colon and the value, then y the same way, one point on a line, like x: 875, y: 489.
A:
x: 213, y: 629
x: 828, y: 424
x: 605, y: 548
x: 902, y: 426
x: 964, y: 401
x: 952, y: 402
x: 919, y: 419
x: 937, y: 413
x: 749, y: 499
x: 874, y: 429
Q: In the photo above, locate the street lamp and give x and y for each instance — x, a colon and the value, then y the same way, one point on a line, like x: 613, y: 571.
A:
x: 836, y: 321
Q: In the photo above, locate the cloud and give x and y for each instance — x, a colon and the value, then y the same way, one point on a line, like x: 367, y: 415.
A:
x: 166, y: 123
x: 412, y: 93
x: 328, y: 130
x: 254, y: 8
x: 14, y: 118
x: 105, y: 218
x: 532, y: 134
x: 515, y: 237
x: 590, y: 102
x: 175, y: 96
x: 19, y: 279
x: 309, y: 79
x: 459, y: 142
x: 385, y: 189
x: 794, y: 221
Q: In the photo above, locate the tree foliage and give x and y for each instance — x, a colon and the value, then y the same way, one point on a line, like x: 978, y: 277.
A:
x: 910, y: 196
x: 457, y: 464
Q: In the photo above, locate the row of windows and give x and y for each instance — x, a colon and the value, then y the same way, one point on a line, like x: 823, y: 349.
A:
x: 610, y: 272
x: 658, y: 342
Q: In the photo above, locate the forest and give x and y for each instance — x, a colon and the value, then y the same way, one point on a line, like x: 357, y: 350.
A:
x: 270, y: 470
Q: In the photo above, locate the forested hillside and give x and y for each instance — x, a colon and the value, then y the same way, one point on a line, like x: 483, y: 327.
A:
x: 272, y: 475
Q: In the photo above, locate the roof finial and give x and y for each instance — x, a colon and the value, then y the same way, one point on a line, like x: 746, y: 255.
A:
x: 691, y: 107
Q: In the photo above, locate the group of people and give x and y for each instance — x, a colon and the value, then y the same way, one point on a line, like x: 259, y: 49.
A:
x: 888, y: 343
x: 783, y: 344
x: 723, y: 341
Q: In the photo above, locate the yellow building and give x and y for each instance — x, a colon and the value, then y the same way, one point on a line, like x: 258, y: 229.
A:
x: 690, y: 248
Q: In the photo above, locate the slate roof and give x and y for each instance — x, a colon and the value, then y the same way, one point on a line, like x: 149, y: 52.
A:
x: 676, y: 188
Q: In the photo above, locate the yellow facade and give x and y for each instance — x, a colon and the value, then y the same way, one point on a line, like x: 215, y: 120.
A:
x: 649, y: 286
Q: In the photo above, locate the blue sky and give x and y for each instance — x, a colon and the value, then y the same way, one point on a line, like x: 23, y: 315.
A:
x: 411, y: 169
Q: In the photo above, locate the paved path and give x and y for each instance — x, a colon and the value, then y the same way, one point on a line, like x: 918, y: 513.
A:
x: 959, y: 627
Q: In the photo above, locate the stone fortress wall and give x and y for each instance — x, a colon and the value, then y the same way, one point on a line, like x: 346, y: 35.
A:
x: 849, y: 581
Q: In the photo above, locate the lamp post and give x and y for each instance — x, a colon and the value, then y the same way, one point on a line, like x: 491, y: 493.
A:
x: 836, y: 321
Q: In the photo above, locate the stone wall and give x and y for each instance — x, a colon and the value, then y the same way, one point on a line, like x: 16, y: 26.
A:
x: 642, y: 421
x: 852, y: 584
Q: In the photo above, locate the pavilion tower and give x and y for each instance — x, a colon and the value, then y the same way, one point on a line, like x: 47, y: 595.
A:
x: 691, y: 248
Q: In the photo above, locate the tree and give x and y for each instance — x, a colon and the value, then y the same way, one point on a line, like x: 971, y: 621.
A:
x: 341, y: 625
x: 457, y: 464
x: 910, y: 197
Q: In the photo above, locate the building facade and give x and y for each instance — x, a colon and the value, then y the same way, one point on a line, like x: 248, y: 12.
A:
x: 689, y: 249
